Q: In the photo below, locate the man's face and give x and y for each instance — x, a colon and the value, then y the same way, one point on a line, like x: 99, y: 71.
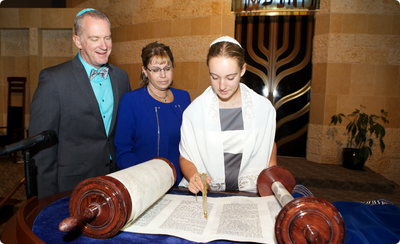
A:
x: 95, y: 42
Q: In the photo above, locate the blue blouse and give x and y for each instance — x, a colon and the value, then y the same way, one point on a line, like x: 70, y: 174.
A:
x: 147, y: 128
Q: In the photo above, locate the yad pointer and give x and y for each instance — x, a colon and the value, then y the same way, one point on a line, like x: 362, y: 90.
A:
x: 203, y: 179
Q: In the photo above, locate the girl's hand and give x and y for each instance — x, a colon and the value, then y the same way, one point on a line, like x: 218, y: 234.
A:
x: 195, y: 183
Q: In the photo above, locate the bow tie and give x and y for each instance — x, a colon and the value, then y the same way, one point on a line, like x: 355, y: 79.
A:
x: 103, y: 73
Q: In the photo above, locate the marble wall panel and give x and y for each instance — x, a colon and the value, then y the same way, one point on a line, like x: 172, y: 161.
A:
x: 348, y: 103
x: 163, y: 3
x: 369, y: 7
x: 331, y: 103
x: 324, y: 7
x: 118, y: 34
x: 132, y: 32
x: 57, y: 43
x: 14, y: 42
x: 320, y: 55
x: 228, y: 26
x: 68, y: 17
x: 394, y: 56
x: 8, y: 66
x: 30, y: 17
x: 189, y: 74
x: 181, y: 27
x: 33, y: 41
x: 314, y: 146
x: 338, y: 78
x: 336, y: 23
x: 173, y: 12
x: 353, y: 55
x: 390, y: 7
x: 317, y: 108
x: 322, y: 24
x: 363, y: 79
x: 341, y: 40
x: 9, y: 18
x: 355, y: 23
x: 377, y: 56
x: 343, y: 6
x: 387, y: 77
x: 146, y: 4
x: 319, y: 78
x: 201, y: 26
x: 392, y: 107
x: 379, y: 24
x: 204, y: 77
x: 51, y: 18
x: 33, y: 71
x: 163, y: 29
x: 22, y: 66
x: 367, y: 40
x: 320, y: 48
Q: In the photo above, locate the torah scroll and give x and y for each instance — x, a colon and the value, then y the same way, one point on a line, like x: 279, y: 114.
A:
x: 101, y: 206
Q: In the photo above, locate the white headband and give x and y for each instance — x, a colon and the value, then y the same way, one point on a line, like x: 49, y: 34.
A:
x: 226, y: 39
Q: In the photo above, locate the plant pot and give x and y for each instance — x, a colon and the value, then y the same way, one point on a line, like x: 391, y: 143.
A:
x: 349, y: 155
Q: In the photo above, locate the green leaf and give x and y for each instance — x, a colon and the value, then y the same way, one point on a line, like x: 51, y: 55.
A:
x: 334, y: 120
x: 382, y: 144
x: 369, y: 151
x: 353, y: 129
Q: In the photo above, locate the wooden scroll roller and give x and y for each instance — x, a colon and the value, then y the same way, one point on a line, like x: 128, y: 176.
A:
x: 304, y: 219
x: 101, y: 206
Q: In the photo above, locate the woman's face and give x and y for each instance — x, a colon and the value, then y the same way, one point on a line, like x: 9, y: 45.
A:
x: 159, y: 77
x: 225, y: 76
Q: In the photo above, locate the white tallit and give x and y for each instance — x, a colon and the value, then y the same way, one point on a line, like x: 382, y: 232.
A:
x: 201, y: 140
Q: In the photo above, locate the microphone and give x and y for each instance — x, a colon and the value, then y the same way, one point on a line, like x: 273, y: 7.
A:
x: 27, y: 143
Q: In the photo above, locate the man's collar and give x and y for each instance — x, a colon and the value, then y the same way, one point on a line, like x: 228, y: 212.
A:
x: 87, y: 66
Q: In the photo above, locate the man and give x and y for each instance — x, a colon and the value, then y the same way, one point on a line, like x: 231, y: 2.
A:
x: 81, y: 107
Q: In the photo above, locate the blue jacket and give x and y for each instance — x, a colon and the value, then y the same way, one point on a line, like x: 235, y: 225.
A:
x: 140, y: 118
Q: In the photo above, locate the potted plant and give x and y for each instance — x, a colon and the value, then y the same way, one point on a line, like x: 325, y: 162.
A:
x: 361, y: 130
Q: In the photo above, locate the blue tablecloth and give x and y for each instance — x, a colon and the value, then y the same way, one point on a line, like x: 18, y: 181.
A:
x: 366, y: 222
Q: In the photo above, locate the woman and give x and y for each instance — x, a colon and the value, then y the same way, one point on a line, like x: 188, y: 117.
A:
x: 149, y: 118
x: 228, y: 131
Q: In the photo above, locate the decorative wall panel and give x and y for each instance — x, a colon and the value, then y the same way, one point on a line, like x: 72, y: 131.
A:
x: 278, y: 56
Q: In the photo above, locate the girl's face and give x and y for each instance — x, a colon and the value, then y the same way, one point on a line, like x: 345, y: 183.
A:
x: 225, y: 76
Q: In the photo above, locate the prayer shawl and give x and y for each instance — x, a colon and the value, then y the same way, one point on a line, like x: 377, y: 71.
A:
x: 201, y: 140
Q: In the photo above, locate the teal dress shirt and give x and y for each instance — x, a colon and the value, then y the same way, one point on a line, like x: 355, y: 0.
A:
x: 103, y: 91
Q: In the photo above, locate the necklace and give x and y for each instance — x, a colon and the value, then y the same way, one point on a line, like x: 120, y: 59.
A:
x: 162, y: 98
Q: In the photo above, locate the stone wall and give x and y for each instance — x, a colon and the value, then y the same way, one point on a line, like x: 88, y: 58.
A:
x: 356, y: 60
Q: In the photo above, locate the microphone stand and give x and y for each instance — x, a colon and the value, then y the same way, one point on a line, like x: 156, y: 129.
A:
x: 30, y: 175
